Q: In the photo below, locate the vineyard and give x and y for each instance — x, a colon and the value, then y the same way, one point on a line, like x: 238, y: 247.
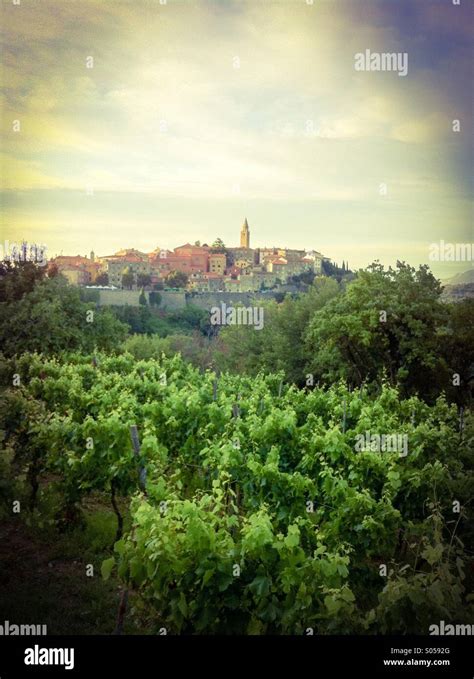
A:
x: 249, y: 508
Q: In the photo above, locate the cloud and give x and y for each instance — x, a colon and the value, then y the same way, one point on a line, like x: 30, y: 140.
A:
x: 165, y: 113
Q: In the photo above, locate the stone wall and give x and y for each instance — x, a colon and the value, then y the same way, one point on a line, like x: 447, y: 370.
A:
x: 172, y: 301
x: 119, y: 297
x: 206, y: 300
x: 169, y: 300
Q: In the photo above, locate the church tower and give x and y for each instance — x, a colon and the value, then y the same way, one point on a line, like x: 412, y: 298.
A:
x: 245, y: 235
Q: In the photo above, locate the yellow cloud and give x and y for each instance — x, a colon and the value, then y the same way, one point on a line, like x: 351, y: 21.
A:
x: 23, y: 175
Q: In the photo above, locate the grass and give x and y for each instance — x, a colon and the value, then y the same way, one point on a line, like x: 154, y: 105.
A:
x: 43, y: 578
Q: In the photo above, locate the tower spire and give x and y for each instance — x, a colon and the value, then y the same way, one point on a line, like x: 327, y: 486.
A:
x: 245, y: 235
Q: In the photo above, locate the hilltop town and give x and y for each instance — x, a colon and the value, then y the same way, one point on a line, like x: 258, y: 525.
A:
x: 198, y: 268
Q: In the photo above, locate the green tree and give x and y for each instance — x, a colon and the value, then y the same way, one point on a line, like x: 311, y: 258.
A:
x: 102, y: 279
x: 218, y: 247
x: 142, y: 298
x: 143, y: 280
x: 456, y: 348
x: 218, y: 243
x: 51, y: 318
x: 155, y: 298
x: 387, y: 320
x: 141, y: 320
x: 128, y: 279
x: 280, y: 344
x: 177, y: 279
x: 18, y: 279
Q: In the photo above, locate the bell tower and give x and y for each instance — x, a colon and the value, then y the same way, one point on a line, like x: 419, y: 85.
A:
x: 245, y: 235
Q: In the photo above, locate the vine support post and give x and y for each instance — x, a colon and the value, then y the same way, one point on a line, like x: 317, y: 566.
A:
x: 121, y: 612
x: 136, y: 450
x: 119, y: 532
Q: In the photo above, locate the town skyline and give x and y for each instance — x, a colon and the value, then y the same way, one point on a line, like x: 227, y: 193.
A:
x: 198, y: 267
x: 199, y: 242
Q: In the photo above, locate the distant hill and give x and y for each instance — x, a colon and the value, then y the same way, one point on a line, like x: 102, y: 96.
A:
x: 459, y: 287
x: 461, y: 278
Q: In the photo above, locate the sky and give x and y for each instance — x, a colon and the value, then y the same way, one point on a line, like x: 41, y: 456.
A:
x: 141, y: 124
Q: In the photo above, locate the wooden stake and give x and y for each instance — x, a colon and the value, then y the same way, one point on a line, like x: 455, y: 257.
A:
x: 136, y: 450
x: 121, y: 612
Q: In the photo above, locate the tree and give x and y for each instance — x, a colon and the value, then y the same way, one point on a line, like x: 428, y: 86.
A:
x: 141, y: 320
x: 218, y: 247
x: 143, y: 280
x: 456, y: 348
x: 102, y: 279
x: 155, y: 298
x: 218, y: 243
x: 177, y: 279
x: 142, y: 298
x: 53, y: 270
x: 386, y: 322
x: 51, y: 317
x: 280, y: 344
x: 128, y: 279
x: 189, y: 319
x: 18, y: 279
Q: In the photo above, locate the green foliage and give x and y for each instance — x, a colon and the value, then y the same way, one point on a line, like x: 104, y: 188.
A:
x: 218, y: 247
x: 177, y: 279
x: 144, y: 347
x: 148, y: 320
x: 19, y: 279
x: 128, y: 279
x: 280, y: 344
x: 456, y: 348
x: 141, y: 320
x: 350, y: 339
x: 102, y: 279
x: 260, y: 515
x: 143, y: 280
x: 335, y: 271
x: 89, y: 295
x: 51, y: 318
x: 155, y: 299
